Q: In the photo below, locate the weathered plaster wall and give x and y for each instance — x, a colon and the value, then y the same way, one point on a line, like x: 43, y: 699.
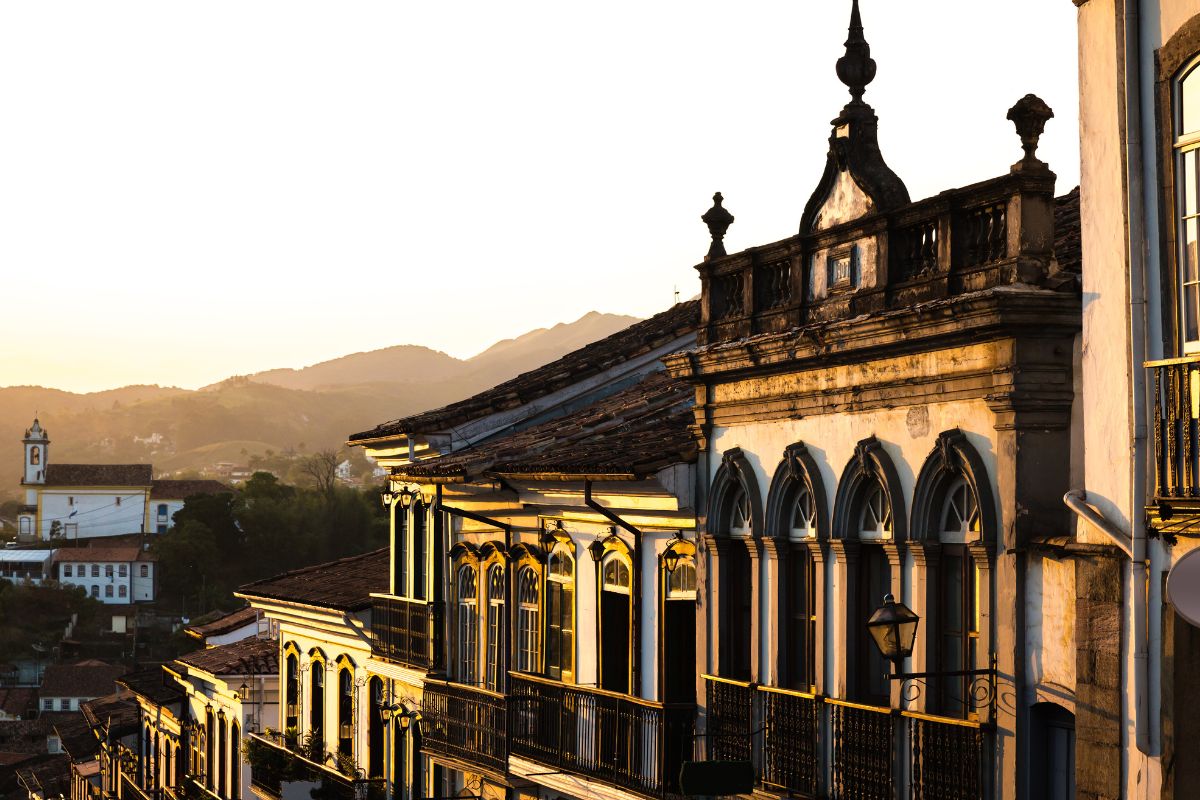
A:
x: 1050, y: 630
x: 846, y: 201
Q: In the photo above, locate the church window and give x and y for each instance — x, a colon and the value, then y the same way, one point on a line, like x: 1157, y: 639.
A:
x: 35, y: 455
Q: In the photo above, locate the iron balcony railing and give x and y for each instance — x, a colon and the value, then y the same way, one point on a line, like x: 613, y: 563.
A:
x: 281, y: 764
x: 465, y: 723
x: 1174, y: 413
x: 131, y: 791
x: 633, y: 744
x: 402, y: 631
x: 806, y: 745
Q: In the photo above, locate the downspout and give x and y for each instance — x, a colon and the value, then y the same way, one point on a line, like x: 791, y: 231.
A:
x: 636, y: 589
x: 1136, y: 214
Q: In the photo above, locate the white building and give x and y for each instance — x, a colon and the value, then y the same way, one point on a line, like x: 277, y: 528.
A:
x: 25, y: 565
x: 112, y: 575
x: 85, y: 501
x: 66, y: 686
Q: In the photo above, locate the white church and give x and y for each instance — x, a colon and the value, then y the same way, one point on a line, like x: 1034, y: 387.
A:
x: 69, y: 502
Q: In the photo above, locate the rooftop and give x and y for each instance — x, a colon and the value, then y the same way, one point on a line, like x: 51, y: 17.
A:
x: 250, y: 656
x: 223, y: 623
x: 139, y: 475
x: 19, y: 701
x: 94, y: 679
x: 593, y: 359
x: 117, y: 712
x: 345, y: 584
x: 102, y: 554
x: 153, y: 684
x: 630, y: 434
x: 169, y: 489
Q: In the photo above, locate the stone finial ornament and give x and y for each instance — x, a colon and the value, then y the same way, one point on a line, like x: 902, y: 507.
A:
x: 856, y: 69
x: 718, y: 221
x: 1029, y: 115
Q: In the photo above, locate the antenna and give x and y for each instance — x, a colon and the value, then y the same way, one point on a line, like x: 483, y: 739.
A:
x: 676, y: 295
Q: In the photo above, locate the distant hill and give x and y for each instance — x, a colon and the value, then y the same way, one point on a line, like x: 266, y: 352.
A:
x: 280, y: 410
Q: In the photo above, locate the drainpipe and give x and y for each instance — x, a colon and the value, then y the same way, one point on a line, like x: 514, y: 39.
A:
x: 636, y: 589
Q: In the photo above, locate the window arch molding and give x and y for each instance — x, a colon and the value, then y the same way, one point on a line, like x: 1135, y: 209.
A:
x: 953, y: 458
x: 869, y: 465
x: 798, y: 471
x: 735, y: 474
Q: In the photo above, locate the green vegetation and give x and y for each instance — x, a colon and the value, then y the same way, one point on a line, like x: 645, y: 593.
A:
x: 219, y: 542
x: 35, y: 617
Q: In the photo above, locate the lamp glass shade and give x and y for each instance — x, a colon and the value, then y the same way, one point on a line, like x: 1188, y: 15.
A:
x: 893, y: 628
x: 671, y: 559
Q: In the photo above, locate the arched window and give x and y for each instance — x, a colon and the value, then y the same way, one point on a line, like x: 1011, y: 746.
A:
x: 316, y: 702
x: 222, y: 755
x: 35, y: 455
x: 468, y: 624
x: 419, y: 549
x: 210, y: 737
x: 292, y: 679
x: 147, y: 760
x: 738, y: 519
x: 560, y: 614
x: 235, y: 758
x: 167, y: 772
x: 735, y: 517
x: 875, y: 514
x: 177, y: 777
x: 346, y: 711
x: 1187, y: 222
x: 529, y: 651
x: 616, y: 622
x: 375, y: 759
x: 495, y: 628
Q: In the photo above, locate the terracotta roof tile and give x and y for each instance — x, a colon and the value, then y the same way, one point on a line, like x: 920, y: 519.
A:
x: 1067, y: 238
x: 637, y: 339
x: 102, y: 554
x: 224, y: 623
x: 117, y: 712
x: 80, y: 680
x: 634, y: 432
x: 19, y: 701
x: 252, y: 656
x: 153, y: 684
x: 183, y: 489
x: 98, y: 475
x: 345, y: 584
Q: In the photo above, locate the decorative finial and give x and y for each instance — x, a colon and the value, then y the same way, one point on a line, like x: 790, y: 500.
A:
x: 718, y: 221
x: 1029, y: 115
x: 856, y: 69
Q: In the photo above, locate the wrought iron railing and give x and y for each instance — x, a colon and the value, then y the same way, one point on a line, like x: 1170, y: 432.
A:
x: 1174, y: 421
x: 633, y: 744
x: 401, y: 630
x: 863, y: 764
x: 465, y: 723
x: 729, y: 718
x: 131, y: 791
x: 946, y: 757
x: 278, y: 764
x: 791, y: 753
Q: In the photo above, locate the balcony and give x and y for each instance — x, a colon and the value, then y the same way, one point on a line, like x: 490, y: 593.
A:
x: 993, y: 233
x: 401, y: 630
x: 1174, y: 413
x: 466, y: 724
x: 633, y: 744
x: 131, y: 791
x: 809, y: 743
x: 274, y: 762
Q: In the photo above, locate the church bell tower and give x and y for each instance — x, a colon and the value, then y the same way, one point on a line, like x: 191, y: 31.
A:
x: 37, y: 452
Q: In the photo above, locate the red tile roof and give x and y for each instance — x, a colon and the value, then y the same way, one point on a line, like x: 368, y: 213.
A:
x: 252, y: 656
x: 225, y: 623
x: 638, y: 339
x: 102, y: 554
x: 19, y: 701
x: 182, y: 489
x: 1068, y: 248
x: 632, y: 433
x: 139, y: 475
x: 81, y: 680
x: 345, y: 584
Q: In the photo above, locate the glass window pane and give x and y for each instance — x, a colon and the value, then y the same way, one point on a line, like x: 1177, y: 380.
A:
x: 1189, y: 98
x: 1191, y: 310
x: 1189, y: 182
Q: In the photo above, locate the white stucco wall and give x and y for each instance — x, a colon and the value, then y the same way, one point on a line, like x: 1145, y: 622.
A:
x: 97, y: 512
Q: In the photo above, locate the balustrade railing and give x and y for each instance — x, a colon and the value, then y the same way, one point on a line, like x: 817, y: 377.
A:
x: 401, y: 630
x: 634, y: 744
x: 465, y: 723
x: 914, y: 249
x: 791, y: 754
x: 728, y: 296
x: 985, y: 234
x: 729, y: 719
x: 863, y: 744
x: 773, y: 284
x: 274, y: 762
x: 1174, y: 413
x: 946, y: 757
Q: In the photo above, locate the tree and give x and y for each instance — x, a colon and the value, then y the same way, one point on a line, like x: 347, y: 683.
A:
x: 321, y: 469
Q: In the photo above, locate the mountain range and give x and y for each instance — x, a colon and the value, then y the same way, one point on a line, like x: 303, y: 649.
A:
x: 276, y: 411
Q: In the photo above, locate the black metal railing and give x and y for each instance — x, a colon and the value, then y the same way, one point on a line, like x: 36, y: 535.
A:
x: 278, y: 763
x: 1174, y: 413
x: 465, y: 723
x: 946, y: 757
x: 131, y: 791
x: 729, y: 718
x: 791, y: 754
x: 633, y: 744
x: 401, y: 630
x: 863, y: 742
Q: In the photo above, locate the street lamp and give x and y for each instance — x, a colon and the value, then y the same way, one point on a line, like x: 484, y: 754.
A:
x: 672, y: 555
x: 893, y: 628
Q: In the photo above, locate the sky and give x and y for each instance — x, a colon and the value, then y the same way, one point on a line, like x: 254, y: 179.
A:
x: 190, y: 191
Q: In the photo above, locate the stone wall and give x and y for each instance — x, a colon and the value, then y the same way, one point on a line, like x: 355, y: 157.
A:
x: 1098, y: 677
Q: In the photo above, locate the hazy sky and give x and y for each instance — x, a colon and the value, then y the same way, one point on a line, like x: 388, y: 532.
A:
x: 194, y: 190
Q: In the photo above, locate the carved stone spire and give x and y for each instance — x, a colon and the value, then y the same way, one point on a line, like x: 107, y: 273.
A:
x: 856, y: 69
x: 718, y: 221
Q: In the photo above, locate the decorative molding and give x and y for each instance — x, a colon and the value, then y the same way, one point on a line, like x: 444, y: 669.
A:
x: 870, y: 462
x: 798, y: 467
x: 953, y: 456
